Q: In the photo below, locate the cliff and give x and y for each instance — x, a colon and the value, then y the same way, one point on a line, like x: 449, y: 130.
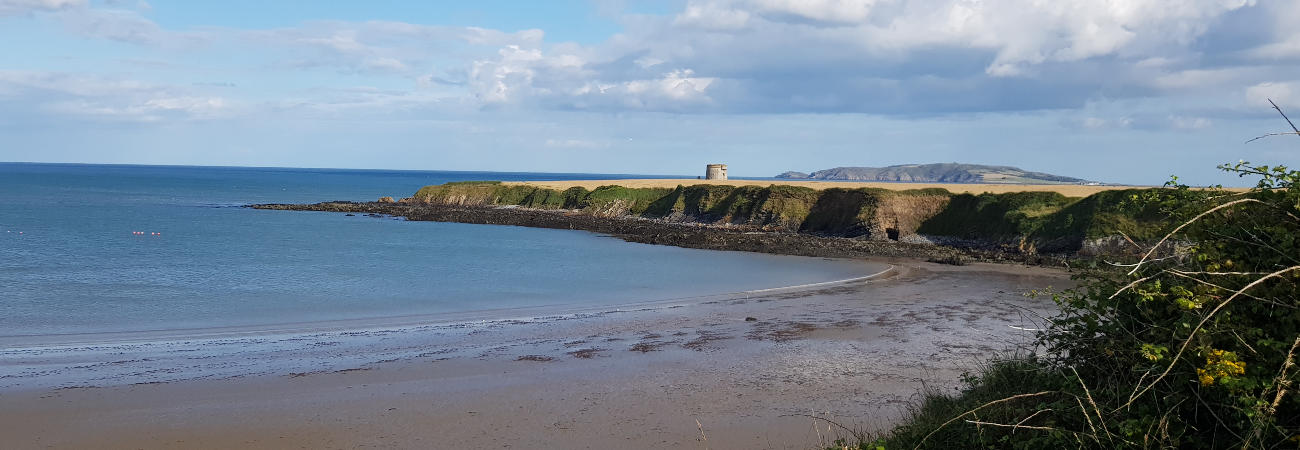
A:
x: 1021, y: 222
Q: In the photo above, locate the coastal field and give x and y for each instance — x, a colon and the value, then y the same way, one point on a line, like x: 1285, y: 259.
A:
x: 750, y: 370
x: 1068, y: 190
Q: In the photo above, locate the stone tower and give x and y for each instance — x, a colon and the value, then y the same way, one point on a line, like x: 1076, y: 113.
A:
x: 715, y: 172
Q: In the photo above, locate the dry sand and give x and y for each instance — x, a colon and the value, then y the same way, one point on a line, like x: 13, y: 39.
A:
x: 1069, y: 190
x: 855, y: 353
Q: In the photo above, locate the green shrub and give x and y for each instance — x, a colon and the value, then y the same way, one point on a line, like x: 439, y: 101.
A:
x: 1192, y: 349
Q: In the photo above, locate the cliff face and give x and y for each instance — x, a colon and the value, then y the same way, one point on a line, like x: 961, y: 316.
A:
x: 869, y: 213
x: 1028, y: 222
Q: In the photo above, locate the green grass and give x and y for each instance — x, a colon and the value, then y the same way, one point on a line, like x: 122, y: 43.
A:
x: 941, y: 419
x: 636, y: 200
x: 995, y: 216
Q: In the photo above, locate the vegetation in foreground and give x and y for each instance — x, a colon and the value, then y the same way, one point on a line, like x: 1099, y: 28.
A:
x: 1193, y: 349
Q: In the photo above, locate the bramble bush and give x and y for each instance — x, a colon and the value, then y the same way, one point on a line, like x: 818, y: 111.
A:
x: 1192, y: 345
x: 1196, y: 348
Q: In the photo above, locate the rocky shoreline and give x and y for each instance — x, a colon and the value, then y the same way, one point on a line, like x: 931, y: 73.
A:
x: 680, y: 234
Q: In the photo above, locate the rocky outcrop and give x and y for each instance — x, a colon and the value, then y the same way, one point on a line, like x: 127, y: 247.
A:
x: 662, y: 232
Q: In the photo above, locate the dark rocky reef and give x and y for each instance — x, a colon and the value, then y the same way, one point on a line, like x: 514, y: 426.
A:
x: 680, y: 234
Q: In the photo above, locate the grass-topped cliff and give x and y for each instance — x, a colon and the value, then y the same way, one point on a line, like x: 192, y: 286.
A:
x: 1030, y: 221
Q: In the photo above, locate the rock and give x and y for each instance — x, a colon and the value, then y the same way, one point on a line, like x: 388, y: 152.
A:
x: 662, y: 232
x: 751, y: 319
x: 386, y: 200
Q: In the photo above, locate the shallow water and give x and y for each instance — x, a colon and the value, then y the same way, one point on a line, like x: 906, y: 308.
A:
x: 88, y: 249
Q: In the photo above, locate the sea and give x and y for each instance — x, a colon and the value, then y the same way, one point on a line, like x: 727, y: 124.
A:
x: 102, y: 252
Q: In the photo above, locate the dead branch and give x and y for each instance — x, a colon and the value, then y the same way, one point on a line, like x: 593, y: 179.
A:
x: 992, y: 424
x: 1294, y: 130
x: 1288, y: 119
x: 994, y: 402
x: 1283, y: 382
x: 1189, y: 222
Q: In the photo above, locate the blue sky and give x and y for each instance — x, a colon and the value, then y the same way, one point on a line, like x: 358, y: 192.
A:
x: 1129, y: 91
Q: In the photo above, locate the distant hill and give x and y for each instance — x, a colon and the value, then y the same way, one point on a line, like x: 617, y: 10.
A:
x: 937, y: 173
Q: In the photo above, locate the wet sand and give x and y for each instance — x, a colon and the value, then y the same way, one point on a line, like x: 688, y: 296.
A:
x: 855, y: 353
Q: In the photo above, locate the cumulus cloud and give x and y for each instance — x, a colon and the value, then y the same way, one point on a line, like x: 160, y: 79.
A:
x: 1284, y: 39
x: 892, y: 57
x: 1019, y: 33
x: 570, y: 80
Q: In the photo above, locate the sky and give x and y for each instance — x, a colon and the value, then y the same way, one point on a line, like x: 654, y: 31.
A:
x: 1122, y: 91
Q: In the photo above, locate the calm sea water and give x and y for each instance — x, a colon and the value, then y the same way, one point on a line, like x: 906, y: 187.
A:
x: 94, y: 249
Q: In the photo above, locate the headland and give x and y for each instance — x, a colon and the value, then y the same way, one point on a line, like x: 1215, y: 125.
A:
x: 1068, y: 190
x: 1043, y: 224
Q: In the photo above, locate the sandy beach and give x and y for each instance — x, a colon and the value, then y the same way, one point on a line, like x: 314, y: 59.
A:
x: 1069, y: 190
x: 753, y: 370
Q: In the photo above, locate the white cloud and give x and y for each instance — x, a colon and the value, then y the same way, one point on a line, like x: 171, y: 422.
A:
x: 17, y: 7
x: 505, y: 78
x: 122, y: 26
x: 116, y: 22
x: 381, y: 46
x: 1285, y: 33
x: 1281, y: 93
x: 568, y: 80
x: 919, y: 57
x: 886, y: 56
x: 1191, y: 79
x: 710, y: 16
x: 149, y: 110
x: 92, y: 97
x: 1189, y: 123
x: 1020, y: 33
x: 1100, y: 123
x: 1287, y: 49
x: 841, y: 11
x: 575, y: 144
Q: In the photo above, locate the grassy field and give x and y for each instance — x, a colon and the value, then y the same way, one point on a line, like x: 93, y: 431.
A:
x: 1068, y: 190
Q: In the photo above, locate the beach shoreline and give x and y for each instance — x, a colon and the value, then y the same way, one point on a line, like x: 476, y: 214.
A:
x: 395, y: 323
x: 752, y: 369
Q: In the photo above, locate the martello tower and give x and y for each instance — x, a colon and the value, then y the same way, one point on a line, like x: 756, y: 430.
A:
x: 715, y: 172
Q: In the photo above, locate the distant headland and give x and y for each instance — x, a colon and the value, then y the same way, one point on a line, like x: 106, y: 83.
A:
x: 939, y: 173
